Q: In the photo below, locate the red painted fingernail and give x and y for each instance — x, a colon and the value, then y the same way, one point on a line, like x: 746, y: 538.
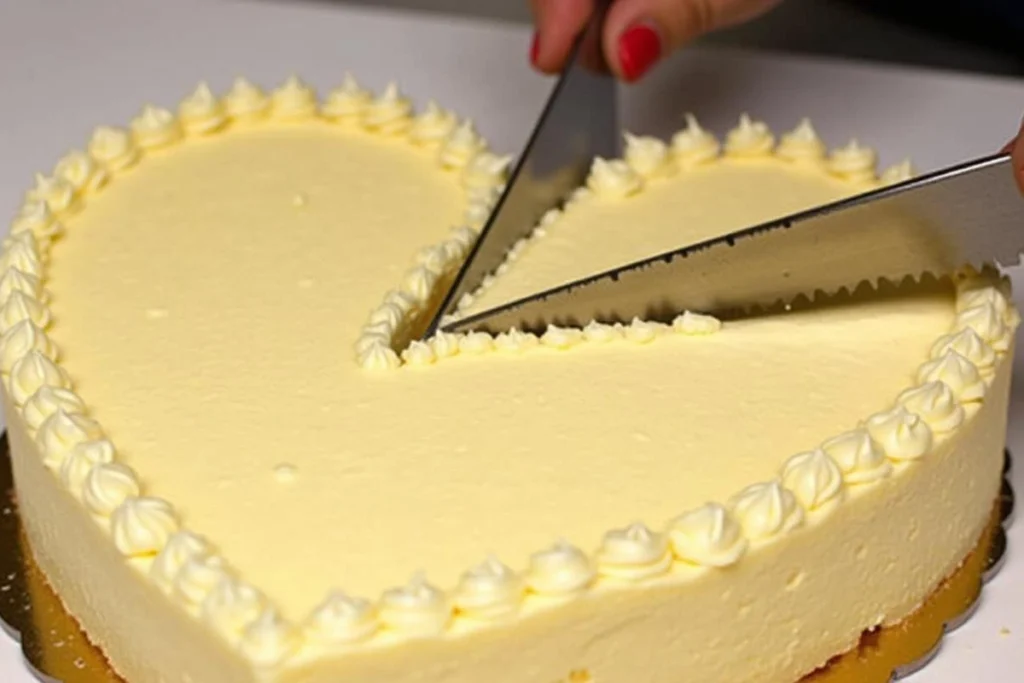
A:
x: 639, y: 49
x: 535, y: 49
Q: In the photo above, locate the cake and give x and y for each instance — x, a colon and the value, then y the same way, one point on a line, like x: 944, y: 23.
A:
x: 235, y: 460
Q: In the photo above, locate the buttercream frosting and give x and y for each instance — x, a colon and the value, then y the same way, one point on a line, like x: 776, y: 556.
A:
x: 61, y: 432
x: 766, y: 510
x: 80, y: 460
x: 155, y: 127
x: 294, y: 100
x: 107, y: 486
x: 968, y: 344
x: 749, y: 139
x: 202, y: 113
x: 20, y: 307
x: 634, y: 552
x: 476, y: 343
x: 341, y: 618
x: 643, y: 331
x: 648, y: 156
x: 390, y: 113
x: 903, y: 435
x: 987, y: 322
x: 33, y: 371
x: 970, y: 295
x: 48, y: 400
x: 81, y: 172
x: 516, y: 340
x: 23, y: 253
x: 14, y: 280
x: 417, y: 609
x: 57, y: 193
x: 563, y: 570
x: 198, y: 575
x: 113, y: 148
x: 934, y: 403
x: 814, y: 478
x: 561, y: 337
x: 269, y: 639
x: 246, y: 102
x: 141, y: 526
x: 420, y: 283
x: 181, y: 547
x: 379, y: 356
x: 613, y: 178
x: 231, y: 606
x: 36, y: 217
x: 419, y: 353
x: 898, y: 173
x: 694, y: 145
x: 858, y: 456
x: 802, y: 144
x: 348, y: 101
x: 490, y: 590
x: 433, y: 125
x: 486, y: 172
x: 853, y: 162
x: 601, y: 332
x: 445, y: 344
x: 956, y: 372
x: 707, y: 536
x: 24, y: 337
x: 461, y: 146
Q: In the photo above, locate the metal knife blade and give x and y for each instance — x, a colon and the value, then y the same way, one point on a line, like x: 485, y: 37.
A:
x: 969, y: 214
x: 578, y: 123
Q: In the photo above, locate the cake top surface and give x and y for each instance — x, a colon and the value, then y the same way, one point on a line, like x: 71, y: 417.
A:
x: 248, y: 367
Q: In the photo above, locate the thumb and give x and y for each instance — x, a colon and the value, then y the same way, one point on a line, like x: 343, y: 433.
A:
x: 638, y: 33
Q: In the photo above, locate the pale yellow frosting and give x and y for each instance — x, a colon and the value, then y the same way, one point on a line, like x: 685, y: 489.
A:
x: 289, y: 326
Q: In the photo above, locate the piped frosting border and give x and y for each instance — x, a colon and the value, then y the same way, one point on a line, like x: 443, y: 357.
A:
x: 188, y: 569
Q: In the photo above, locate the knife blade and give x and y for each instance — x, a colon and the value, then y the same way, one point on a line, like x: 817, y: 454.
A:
x: 969, y: 214
x: 578, y: 123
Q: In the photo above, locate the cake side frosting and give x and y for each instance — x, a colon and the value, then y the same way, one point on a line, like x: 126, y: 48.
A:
x: 147, y: 531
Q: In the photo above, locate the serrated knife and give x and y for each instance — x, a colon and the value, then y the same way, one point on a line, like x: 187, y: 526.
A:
x: 969, y: 214
x: 579, y: 122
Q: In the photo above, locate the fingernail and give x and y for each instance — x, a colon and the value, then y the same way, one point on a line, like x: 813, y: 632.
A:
x: 639, y: 50
x: 534, y: 49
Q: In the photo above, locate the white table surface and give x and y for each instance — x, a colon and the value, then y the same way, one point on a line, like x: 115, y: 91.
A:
x: 69, y: 65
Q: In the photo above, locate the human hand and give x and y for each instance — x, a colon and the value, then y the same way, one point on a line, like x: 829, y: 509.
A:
x: 637, y: 33
x: 1015, y: 148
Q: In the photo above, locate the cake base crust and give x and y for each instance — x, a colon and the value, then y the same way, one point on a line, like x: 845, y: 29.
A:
x: 55, y: 645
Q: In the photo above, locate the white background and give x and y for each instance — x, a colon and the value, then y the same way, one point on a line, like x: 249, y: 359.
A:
x: 67, y: 66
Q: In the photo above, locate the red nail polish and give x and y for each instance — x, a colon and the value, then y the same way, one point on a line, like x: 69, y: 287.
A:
x: 639, y: 49
x: 534, y: 49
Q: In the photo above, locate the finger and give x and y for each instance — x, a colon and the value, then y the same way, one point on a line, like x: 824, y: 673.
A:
x: 639, y: 33
x: 558, y: 23
x: 1017, y: 157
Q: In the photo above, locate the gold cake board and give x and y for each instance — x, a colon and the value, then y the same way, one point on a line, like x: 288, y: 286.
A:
x: 56, y: 649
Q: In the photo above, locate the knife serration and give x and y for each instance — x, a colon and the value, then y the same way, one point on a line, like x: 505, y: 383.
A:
x: 969, y: 214
x: 579, y: 122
